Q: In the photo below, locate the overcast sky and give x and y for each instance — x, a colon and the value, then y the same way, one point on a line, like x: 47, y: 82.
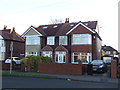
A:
x: 21, y: 14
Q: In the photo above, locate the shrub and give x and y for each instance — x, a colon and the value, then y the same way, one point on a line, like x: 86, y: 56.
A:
x: 45, y: 59
x: 24, y: 61
x: 35, y: 61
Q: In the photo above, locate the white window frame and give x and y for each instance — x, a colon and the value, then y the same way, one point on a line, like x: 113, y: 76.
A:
x: 89, y: 57
x: 2, y: 48
x: 31, y: 53
x: 79, y: 41
x: 50, y: 40
x: 59, y: 53
x: 37, y: 40
x: 47, y: 53
x: 60, y: 40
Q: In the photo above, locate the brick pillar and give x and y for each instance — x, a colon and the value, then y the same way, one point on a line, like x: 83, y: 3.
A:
x: 80, y: 64
x: 39, y: 61
x: 29, y: 65
x: 22, y: 67
x: 114, y: 69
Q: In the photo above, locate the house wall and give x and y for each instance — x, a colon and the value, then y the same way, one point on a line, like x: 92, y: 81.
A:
x: 7, y: 43
x: 18, y: 49
x: 99, y: 46
x: 32, y: 32
x: 96, y: 47
x: 81, y: 48
x: 80, y: 30
x: 33, y: 48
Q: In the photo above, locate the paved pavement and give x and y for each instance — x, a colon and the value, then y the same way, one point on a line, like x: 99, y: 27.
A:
x: 104, y: 77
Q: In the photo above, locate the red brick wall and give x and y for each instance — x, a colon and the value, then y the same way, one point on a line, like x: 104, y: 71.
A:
x: 80, y: 30
x: 114, y: 69
x: 60, y: 68
x: 96, y: 46
x: 5, y: 66
x: 18, y: 48
x: 81, y: 48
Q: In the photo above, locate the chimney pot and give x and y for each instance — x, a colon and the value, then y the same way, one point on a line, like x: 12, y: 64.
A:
x: 67, y: 20
x: 5, y: 27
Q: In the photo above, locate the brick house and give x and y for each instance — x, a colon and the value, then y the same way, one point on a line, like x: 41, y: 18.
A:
x: 65, y: 42
x: 6, y: 36
x: 109, y: 53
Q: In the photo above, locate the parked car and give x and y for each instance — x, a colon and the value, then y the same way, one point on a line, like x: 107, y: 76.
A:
x: 15, y: 60
x: 99, y: 66
x: 108, y: 61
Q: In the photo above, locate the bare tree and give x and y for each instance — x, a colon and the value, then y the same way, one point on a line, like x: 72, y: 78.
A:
x: 56, y: 21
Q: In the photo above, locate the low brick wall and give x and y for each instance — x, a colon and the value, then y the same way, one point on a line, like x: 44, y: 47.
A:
x: 5, y: 66
x: 60, y: 68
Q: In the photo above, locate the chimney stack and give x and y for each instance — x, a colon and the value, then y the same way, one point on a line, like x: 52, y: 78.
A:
x: 5, y: 27
x: 67, y: 20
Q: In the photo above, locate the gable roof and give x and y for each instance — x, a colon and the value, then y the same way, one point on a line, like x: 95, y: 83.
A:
x: 64, y: 28
x: 80, y: 23
x: 34, y: 28
x: 9, y: 34
x: 61, y: 48
x: 47, y: 48
x: 108, y: 48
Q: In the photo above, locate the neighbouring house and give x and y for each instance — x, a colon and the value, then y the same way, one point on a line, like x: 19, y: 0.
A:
x: 65, y: 42
x: 6, y: 37
x: 108, y: 53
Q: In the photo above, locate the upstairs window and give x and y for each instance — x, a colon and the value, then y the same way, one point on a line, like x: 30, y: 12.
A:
x: 32, y: 40
x: 62, y: 40
x: 50, y: 40
x: 80, y: 39
x: 107, y: 52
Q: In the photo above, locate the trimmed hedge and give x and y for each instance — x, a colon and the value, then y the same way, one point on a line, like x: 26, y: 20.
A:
x: 35, y: 61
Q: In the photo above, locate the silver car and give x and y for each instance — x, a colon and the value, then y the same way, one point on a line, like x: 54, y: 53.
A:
x: 16, y: 60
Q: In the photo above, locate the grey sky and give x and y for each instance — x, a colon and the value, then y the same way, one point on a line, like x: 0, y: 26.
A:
x: 23, y: 13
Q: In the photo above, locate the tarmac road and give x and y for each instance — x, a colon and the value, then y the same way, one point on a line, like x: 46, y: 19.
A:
x: 28, y: 82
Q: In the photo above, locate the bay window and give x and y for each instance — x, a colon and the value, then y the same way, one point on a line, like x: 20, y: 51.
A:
x: 84, y: 57
x: 32, y: 40
x: 60, y: 57
x: 62, y: 40
x: 50, y: 40
x: 32, y: 53
x: 2, y: 49
x: 79, y: 39
x: 47, y: 53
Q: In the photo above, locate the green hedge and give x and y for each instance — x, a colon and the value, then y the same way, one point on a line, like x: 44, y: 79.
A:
x: 35, y: 61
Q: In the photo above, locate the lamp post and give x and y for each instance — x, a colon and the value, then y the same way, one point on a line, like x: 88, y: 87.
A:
x: 11, y: 49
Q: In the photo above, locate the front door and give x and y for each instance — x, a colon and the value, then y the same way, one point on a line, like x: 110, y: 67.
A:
x: 60, y: 57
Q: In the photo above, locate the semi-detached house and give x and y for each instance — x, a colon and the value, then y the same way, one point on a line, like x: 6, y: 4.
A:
x: 7, y: 36
x: 65, y: 42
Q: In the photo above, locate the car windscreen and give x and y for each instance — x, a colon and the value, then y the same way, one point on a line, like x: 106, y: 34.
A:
x: 97, y: 62
x: 16, y: 58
